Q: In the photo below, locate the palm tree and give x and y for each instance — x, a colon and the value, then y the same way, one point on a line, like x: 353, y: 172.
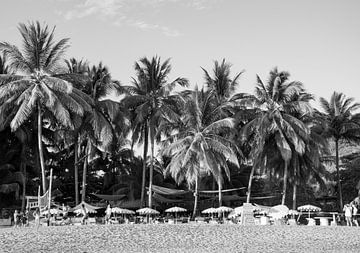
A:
x: 221, y: 83
x: 200, y: 146
x: 152, y: 101
x: 4, y: 68
x: 105, y: 118
x: 343, y: 124
x: 38, y: 90
x: 275, y: 130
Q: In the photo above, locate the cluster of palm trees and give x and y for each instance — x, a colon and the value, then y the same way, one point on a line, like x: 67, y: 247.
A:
x: 200, y: 131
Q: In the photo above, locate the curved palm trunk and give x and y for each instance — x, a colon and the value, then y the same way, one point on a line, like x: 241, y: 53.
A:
x: 151, y: 166
x: 285, y: 183
x: 338, y: 174
x: 196, y: 196
x: 220, y: 191
x: 146, y: 141
x: 249, y: 184
x: 41, y: 154
x: 76, y: 168
x: 87, y: 154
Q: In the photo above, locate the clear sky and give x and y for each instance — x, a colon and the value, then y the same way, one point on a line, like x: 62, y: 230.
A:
x: 318, y: 42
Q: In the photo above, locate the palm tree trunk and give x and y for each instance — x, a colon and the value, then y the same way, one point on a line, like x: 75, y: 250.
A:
x: 249, y: 184
x: 41, y: 154
x: 87, y: 151
x: 285, y: 183
x: 23, y: 171
x: 338, y: 174
x: 152, y: 165
x: 146, y: 141
x: 76, y: 168
x: 196, y: 195
x: 220, y: 191
x: 294, y: 190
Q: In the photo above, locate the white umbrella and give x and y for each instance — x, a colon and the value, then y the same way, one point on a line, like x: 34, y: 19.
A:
x: 278, y: 211
x: 52, y: 211
x: 210, y: 210
x: 224, y: 209
x: 147, y: 211
x: 119, y: 210
x: 309, y: 208
x: 239, y: 210
x: 175, y: 210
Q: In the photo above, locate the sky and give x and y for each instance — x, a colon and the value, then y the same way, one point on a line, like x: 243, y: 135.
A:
x: 318, y: 42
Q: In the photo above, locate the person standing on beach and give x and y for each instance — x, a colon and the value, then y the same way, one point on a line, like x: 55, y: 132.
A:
x: 348, y: 214
x: 16, y: 218
x: 107, y: 214
x: 84, y: 213
x: 36, y: 215
x: 354, y: 214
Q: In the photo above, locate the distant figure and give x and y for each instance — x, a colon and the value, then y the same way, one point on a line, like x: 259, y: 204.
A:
x: 16, y: 218
x: 107, y: 214
x: 25, y: 218
x: 354, y: 213
x: 36, y: 215
x: 84, y: 213
x: 348, y: 214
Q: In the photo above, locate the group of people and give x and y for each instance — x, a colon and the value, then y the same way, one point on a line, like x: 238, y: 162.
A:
x: 22, y: 218
x: 350, y: 211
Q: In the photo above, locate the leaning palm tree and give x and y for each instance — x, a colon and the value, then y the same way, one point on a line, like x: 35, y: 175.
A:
x: 275, y: 130
x: 152, y: 101
x: 343, y: 124
x: 200, y: 146
x: 37, y: 89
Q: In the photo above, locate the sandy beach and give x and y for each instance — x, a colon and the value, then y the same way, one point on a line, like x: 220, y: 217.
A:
x: 180, y: 238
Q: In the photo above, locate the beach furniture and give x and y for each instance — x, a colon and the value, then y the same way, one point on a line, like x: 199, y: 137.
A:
x: 324, y: 221
x: 311, y: 222
x: 264, y: 220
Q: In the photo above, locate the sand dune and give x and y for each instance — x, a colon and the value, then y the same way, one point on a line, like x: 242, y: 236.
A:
x: 180, y: 238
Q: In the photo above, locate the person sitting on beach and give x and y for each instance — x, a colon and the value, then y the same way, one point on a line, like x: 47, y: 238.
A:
x: 348, y: 214
x: 84, y: 214
x: 107, y: 214
x: 16, y: 218
x: 354, y: 213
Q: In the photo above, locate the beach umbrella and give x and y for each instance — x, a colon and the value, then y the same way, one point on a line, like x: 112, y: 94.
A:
x: 119, y: 210
x: 175, y: 210
x: 147, y: 211
x: 278, y: 211
x: 210, y: 210
x: 309, y: 208
x: 224, y: 209
x: 89, y: 208
x: 52, y: 211
x: 239, y: 210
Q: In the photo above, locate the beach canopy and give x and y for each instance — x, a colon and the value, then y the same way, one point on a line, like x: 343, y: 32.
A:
x: 293, y: 212
x: 238, y: 210
x: 175, y: 209
x: 278, y: 211
x: 209, y: 210
x: 224, y: 209
x: 89, y: 208
x: 146, y: 211
x: 119, y: 210
x: 309, y: 208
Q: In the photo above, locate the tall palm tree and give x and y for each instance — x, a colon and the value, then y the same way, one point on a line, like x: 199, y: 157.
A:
x: 105, y: 118
x: 275, y: 130
x: 152, y: 101
x: 200, y: 146
x: 37, y: 90
x: 343, y: 124
x: 4, y: 68
x: 221, y: 83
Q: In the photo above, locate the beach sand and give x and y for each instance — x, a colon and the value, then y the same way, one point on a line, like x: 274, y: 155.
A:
x: 180, y: 238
